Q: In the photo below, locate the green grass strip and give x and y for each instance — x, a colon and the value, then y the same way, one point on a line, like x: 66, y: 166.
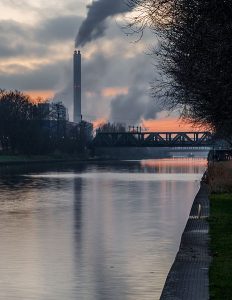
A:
x: 220, y: 274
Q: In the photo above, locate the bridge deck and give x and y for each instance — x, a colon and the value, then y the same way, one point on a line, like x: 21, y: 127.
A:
x: 153, y: 139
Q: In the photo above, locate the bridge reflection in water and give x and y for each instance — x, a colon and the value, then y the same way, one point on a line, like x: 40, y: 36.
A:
x: 153, y: 139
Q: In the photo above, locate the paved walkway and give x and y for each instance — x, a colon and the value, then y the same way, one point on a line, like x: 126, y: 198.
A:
x: 188, y: 277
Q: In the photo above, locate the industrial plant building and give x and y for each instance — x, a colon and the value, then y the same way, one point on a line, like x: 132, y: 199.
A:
x: 53, y: 111
x: 55, y: 115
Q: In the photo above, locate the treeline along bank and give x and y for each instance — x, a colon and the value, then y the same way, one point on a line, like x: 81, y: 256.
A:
x: 28, y: 127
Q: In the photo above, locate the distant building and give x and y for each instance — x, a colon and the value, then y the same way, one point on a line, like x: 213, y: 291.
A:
x: 55, y: 122
x: 83, y: 131
x: 59, y: 111
x: 44, y: 110
x: 55, y: 111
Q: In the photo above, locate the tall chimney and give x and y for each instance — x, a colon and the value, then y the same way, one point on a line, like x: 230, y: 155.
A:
x: 77, y: 86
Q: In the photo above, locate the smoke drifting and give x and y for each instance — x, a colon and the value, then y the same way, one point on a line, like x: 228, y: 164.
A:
x: 138, y: 104
x: 134, y: 107
x: 94, y: 25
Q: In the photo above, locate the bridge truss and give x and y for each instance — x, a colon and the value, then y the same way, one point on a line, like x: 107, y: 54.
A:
x: 153, y: 139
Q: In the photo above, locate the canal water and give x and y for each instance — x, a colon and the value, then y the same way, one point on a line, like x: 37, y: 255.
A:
x: 99, y: 231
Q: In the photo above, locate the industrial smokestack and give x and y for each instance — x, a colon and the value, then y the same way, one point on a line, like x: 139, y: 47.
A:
x: 77, y: 86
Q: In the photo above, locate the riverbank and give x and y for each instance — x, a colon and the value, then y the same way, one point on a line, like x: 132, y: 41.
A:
x: 202, y: 268
x: 188, y: 277
x: 221, y: 246
x: 219, y: 177
x: 220, y: 183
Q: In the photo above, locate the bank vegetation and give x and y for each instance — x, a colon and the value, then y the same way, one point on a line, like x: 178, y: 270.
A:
x: 32, y: 128
x: 194, y: 57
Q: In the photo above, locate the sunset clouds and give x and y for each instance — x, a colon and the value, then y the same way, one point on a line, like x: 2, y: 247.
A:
x: 37, y: 43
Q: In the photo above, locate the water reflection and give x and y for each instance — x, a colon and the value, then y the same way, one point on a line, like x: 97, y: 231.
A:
x: 174, y: 165
x: 93, y: 231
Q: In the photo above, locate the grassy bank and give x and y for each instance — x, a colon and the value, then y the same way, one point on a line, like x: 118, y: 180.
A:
x: 220, y: 177
x: 221, y: 246
x: 220, y: 184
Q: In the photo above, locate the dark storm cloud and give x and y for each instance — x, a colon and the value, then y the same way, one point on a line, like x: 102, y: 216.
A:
x: 94, y: 25
x: 61, y: 28
x: 45, y: 77
x: 18, y: 39
x: 12, y: 31
x: 112, y: 68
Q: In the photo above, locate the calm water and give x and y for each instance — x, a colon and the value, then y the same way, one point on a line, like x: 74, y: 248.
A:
x: 93, y: 231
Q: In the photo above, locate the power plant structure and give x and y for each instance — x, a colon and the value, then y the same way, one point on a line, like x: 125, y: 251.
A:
x: 77, y: 117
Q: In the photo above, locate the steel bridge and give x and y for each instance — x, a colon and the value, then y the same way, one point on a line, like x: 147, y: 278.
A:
x: 153, y: 139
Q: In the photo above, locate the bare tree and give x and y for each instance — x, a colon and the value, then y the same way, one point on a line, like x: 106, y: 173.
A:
x: 31, y: 128
x: 15, y: 110
x: 111, y: 127
x: 194, y: 57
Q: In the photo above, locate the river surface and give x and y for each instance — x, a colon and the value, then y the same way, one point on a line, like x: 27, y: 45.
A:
x: 99, y: 231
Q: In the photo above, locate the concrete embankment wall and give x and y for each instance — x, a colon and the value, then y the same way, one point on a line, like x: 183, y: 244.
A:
x: 188, y: 277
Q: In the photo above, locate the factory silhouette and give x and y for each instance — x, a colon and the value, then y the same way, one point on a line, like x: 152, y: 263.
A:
x: 29, y: 127
x: 56, y: 117
x: 62, y: 111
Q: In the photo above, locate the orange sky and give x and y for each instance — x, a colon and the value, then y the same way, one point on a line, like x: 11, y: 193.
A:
x: 40, y: 94
x: 132, y: 64
x: 114, y: 91
x: 98, y: 122
x: 167, y: 124
x: 164, y: 124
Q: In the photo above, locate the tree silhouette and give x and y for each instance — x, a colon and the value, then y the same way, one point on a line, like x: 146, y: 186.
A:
x: 38, y: 128
x: 194, y: 57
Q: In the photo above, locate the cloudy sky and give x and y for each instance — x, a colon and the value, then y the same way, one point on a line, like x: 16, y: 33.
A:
x: 37, y: 43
